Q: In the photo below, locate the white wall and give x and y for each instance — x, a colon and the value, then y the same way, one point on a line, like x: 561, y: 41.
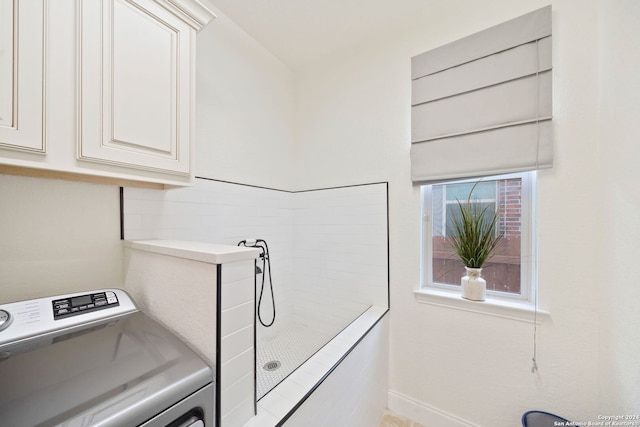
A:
x: 353, y: 118
x: 619, y: 374
x: 57, y: 237
x: 244, y: 109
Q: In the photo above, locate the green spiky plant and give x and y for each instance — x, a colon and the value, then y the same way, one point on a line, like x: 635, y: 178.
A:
x: 473, y: 233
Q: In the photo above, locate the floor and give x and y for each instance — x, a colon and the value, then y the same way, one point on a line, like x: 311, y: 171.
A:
x: 291, y: 347
x: 393, y: 420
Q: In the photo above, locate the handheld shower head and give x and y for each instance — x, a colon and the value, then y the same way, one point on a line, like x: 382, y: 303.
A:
x: 266, y: 268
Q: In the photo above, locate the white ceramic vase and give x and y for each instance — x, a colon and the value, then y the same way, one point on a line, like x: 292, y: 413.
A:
x: 474, y: 287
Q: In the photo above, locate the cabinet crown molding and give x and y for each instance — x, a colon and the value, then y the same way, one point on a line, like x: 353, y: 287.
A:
x: 193, y: 12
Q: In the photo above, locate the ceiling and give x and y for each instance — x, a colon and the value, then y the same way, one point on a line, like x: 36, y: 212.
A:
x: 301, y: 32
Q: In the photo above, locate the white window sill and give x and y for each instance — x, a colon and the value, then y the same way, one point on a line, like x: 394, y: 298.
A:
x: 520, y: 311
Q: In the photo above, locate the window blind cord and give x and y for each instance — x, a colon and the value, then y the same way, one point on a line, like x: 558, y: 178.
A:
x: 537, y: 104
x: 534, y: 366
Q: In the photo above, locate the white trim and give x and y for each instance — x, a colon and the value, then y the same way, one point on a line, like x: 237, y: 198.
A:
x: 423, y: 413
x: 192, y: 12
x: 511, y: 310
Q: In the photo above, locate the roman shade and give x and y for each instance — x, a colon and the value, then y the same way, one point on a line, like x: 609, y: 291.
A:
x: 481, y: 105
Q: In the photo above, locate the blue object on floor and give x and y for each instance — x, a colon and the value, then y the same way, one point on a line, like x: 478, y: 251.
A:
x: 541, y: 419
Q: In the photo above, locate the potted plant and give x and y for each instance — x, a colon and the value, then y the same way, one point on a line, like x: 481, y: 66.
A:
x: 474, y: 238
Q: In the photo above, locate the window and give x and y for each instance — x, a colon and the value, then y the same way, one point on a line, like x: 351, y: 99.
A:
x: 509, y: 273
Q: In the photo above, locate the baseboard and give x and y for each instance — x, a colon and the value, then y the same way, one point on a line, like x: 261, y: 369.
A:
x: 423, y: 413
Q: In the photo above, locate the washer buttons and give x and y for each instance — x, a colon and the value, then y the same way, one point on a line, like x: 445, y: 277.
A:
x: 5, y: 319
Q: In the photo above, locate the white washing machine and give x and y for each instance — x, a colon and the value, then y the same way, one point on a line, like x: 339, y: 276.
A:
x: 93, y: 359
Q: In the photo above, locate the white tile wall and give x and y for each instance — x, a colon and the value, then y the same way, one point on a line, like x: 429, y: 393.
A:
x: 181, y: 294
x: 340, y: 256
x: 219, y: 212
x: 237, y: 402
x: 328, y: 252
x: 163, y: 286
x: 328, y: 247
x: 237, y: 370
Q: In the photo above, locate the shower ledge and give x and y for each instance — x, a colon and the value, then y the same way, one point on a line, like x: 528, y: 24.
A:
x: 197, y: 251
x: 283, y: 400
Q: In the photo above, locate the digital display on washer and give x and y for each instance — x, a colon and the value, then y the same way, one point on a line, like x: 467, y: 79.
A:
x: 78, y: 301
x: 83, y: 303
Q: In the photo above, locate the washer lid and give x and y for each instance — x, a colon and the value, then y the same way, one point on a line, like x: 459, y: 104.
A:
x: 115, y: 372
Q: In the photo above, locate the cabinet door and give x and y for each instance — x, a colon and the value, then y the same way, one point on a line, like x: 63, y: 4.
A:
x: 22, y: 29
x: 136, y: 85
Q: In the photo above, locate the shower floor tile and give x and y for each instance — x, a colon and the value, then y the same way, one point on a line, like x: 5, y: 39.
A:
x: 291, y: 347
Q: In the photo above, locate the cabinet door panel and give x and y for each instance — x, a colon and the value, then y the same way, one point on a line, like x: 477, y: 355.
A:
x: 144, y: 81
x: 22, y: 29
x: 136, y: 86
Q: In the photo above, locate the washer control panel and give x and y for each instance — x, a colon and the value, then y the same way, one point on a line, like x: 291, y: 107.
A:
x: 26, y: 319
x: 71, y: 306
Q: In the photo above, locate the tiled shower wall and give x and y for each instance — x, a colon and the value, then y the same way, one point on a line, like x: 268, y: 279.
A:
x: 340, y: 254
x: 218, y: 212
x: 328, y: 247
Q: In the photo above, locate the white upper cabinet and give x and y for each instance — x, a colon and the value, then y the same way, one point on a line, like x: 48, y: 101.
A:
x: 22, y: 75
x: 136, y: 88
x: 100, y: 88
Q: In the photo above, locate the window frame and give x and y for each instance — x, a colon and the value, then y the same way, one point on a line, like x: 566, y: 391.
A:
x: 528, y: 243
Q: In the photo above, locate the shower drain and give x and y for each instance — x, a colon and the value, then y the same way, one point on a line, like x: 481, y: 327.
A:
x: 272, y: 365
